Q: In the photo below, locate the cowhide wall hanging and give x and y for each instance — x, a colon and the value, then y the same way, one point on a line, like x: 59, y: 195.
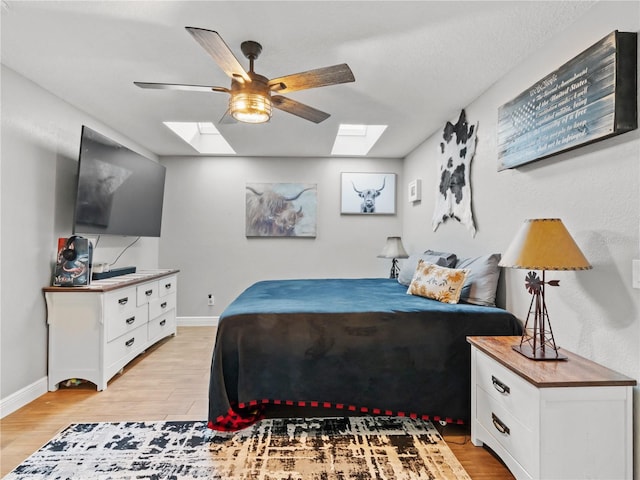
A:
x: 455, y: 151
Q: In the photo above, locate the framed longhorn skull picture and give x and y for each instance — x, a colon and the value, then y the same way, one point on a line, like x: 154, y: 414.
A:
x: 368, y: 193
x: 281, y: 209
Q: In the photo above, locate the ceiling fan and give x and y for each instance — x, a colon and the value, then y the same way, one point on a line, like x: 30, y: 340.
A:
x: 252, y: 95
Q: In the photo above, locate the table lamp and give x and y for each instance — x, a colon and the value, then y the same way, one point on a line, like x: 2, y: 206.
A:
x: 541, y: 244
x: 393, y: 249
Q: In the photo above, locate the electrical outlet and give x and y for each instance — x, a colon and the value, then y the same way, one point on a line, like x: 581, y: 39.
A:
x: 210, y: 300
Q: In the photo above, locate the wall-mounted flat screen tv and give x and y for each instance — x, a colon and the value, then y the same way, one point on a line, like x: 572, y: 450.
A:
x: 120, y: 192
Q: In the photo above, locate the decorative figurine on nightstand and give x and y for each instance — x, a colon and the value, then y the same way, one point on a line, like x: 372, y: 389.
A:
x: 542, y: 244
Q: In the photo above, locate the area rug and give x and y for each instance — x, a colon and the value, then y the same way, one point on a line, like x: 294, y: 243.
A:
x: 358, y: 448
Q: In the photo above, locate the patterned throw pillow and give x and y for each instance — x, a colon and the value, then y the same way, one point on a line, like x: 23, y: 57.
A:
x: 436, y: 282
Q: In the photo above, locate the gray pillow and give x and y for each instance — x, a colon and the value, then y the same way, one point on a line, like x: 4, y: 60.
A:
x: 482, y: 279
x: 410, y: 264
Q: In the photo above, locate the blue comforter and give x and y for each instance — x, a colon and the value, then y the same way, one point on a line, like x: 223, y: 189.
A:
x: 359, y: 344
x: 340, y: 295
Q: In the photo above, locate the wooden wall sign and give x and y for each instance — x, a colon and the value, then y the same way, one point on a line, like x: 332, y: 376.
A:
x: 589, y: 98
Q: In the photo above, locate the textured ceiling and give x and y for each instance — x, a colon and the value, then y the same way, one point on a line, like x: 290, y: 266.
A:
x: 416, y: 63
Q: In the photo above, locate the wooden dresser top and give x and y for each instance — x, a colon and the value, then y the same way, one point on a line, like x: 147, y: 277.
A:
x: 114, y: 283
x: 576, y: 371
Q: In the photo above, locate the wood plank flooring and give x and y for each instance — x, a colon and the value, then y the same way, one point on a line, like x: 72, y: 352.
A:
x: 168, y: 382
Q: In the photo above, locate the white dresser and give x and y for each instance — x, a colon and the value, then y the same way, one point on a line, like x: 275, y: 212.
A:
x: 559, y: 420
x: 95, y: 331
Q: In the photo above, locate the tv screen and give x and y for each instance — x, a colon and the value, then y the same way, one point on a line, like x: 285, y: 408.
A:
x: 120, y: 192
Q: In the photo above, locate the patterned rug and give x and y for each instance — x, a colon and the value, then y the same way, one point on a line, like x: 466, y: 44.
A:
x: 358, y: 448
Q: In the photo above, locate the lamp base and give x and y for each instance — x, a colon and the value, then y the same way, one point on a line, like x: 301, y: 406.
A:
x: 537, y: 342
x: 539, y: 354
x: 395, y: 270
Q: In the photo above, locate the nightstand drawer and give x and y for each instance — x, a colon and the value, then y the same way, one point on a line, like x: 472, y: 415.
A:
x: 508, y: 390
x: 515, y: 437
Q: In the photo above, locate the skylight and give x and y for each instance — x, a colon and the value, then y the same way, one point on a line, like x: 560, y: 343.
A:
x: 203, y: 136
x: 356, y: 139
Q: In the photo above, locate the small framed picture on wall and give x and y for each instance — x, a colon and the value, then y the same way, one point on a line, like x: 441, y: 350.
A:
x: 415, y: 191
x: 368, y: 193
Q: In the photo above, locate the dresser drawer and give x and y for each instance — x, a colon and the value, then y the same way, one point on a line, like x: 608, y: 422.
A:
x: 127, y: 345
x: 508, y: 390
x: 515, y: 437
x: 161, y: 305
x: 119, y: 303
x: 162, y: 326
x: 167, y: 286
x: 146, y: 292
x: 126, y: 322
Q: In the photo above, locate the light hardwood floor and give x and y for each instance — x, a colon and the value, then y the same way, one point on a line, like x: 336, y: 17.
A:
x: 168, y: 382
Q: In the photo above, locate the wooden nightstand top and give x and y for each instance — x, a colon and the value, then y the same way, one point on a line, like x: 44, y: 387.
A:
x: 576, y: 371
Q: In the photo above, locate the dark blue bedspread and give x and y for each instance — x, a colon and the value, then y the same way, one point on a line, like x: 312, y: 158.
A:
x: 339, y: 295
x: 360, y: 344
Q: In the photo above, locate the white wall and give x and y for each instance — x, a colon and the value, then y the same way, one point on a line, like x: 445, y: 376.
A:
x: 594, y: 190
x: 203, y: 230
x: 40, y: 145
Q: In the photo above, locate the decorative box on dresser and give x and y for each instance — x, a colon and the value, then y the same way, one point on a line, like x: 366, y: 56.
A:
x: 94, y: 331
x: 567, y: 419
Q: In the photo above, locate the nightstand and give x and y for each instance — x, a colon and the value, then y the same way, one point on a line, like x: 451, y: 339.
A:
x: 569, y: 419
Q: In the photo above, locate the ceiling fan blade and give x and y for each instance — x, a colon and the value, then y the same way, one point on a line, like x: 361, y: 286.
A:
x: 215, y: 46
x: 177, y: 86
x: 300, y: 109
x: 319, y: 77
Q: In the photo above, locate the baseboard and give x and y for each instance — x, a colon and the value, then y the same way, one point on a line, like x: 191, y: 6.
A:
x: 197, y: 321
x: 22, y: 397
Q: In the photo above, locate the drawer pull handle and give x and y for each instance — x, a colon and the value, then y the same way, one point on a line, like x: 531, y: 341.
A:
x: 130, y: 320
x: 123, y: 301
x: 499, y: 386
x: 128, y: 343
x: 148, y: 292
x: 500, y: 426
x: 163, y: 305
x: 167, y: 286
x: 163, y: 323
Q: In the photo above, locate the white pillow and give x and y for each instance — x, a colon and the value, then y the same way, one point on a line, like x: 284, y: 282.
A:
x: 443, y: 259
x: 482, y: 280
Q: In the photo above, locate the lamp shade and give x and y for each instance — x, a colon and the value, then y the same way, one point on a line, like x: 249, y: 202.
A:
x: 393, y: 249
x: 544, y: 244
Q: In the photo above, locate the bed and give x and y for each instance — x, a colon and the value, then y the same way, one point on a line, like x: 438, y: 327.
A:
x: 358, y: 345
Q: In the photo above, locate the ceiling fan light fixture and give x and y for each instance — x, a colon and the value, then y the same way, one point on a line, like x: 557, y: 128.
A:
x: 250, y: 107
x: 251, y: 98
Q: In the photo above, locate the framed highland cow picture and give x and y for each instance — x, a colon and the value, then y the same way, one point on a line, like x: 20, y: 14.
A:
x: 368, y: 193
x: 281, y: 209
